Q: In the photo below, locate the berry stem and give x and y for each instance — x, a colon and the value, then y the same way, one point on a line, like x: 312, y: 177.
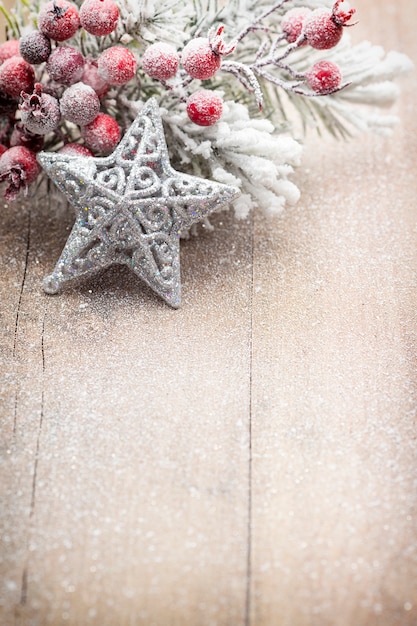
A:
x: 275, y: 44
x: 246, y: 77
x: 261, y: 51
x: 259, y: 19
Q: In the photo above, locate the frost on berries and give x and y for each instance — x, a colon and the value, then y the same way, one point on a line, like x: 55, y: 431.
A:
x: 202, y: 56
x: 39, y: 111
x: 102, y: 134
x: 59, y: 20
x: 292, y: 23
x: 35, y: 47
x: 92, y: 78
x: 324, y: 29
x: 9, y: 49
x: 65, y: 65
x: 19, y: 167
x: 160, y: 61
x: 117, y: 65
x: 16, y: 75
x: 99, y: 17
x: 324, y: 77
x: 75, y: 149
x: 80, y: 104
x: 199, y: 60
x: 204, y: 107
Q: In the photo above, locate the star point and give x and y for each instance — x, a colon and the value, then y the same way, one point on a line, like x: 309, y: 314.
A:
x: 131, y: 208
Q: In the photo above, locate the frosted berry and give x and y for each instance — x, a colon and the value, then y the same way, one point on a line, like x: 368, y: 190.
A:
x: 19, y: 167
x: 204, y: 107
x: 99, y: 17
x: 324, y: 77
x: 75, y: 149
x: 92, y: 78
x: 201, y: 57
x: 102, y: 134
x: 59, y: 20
x: 160, y: 61
x: 292, y: 23
x: 80, y: 104
x: 65, y: 65
x: 21, y: 136
x: 117, y: 65
x: 9, y: 49
x: 324, y: 29
x: 199, y: 60
x: 39, y: 111
x: 16, y: 75
x: 35, y: 47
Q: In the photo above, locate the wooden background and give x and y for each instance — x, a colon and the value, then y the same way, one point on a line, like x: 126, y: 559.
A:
x: 248, y: 460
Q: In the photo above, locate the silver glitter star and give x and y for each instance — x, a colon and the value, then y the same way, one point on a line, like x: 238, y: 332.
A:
x: 131, y: 208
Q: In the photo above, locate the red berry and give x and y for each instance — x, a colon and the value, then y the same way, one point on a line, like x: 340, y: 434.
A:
x: 58, y: 20
x: 80, y: 104
x: 324, y: 29
x: 35, y: 47
x: 102, y: 134
x: 160, y: 61
x: 199, y: 60
x: 9, y: 49
x: 117, y: 65
x: 2, y: 149
x: 99, y: 17
x: 292, y: 23
x: 16, y: 75
x: 75, y: 149
x: 324, y: 77
x: 201, y: 57
x: 18, y: 165
x: 92, y: 78
x: 39, y: 111
x: 65, y: 65
x: 204, y: 107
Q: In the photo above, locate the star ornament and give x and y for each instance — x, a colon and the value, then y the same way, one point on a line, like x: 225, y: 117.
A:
x: 131, y: 208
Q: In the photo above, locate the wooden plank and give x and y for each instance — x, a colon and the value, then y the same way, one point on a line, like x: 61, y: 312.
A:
x: 19, y: 408
x: 126, y: 460
x: 333, y: 526
x: 131, y: 441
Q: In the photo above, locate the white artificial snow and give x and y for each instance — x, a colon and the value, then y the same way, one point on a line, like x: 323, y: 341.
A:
x: 245, y: 152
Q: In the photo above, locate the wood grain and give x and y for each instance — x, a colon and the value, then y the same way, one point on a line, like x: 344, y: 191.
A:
x: 249, y: 459
x: 334, y: 380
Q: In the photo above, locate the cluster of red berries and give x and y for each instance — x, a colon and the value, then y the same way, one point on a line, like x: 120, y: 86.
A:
x: 74, y: 84
x: 322, y: 29
x: 201, y: 59
x: 72, y: 91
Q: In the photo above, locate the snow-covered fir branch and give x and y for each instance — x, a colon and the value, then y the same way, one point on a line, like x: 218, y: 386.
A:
x: 258, y: 67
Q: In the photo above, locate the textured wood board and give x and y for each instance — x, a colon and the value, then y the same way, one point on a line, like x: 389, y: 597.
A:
x: 248, y: 459
x: 334, y: 380
x: 144, y: 447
